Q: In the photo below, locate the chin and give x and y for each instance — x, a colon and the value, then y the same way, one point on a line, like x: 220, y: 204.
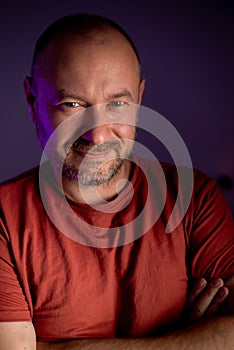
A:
x: 85, y: 176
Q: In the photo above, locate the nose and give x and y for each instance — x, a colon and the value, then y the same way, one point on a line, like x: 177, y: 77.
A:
x: 99, y: 134
x: 98, y: 125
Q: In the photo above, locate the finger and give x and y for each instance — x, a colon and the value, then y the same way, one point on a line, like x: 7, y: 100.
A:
x: 216, y: 304
x: 204, y: 300
x: 199, y: 286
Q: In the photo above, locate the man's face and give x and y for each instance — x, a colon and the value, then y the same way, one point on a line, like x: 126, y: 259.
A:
x: 100, y: 79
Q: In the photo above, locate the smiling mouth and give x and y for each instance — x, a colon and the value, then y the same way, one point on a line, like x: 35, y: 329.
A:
x: 87, y: 151
x: 92, y: 155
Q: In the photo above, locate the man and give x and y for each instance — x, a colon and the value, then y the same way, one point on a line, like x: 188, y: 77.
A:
x: 126, y: 296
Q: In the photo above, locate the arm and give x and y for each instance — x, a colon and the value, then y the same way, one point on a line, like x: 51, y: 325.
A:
x: 207, y: 335
x: 17, y: 335
x: 203, y: 297
x: 213, y: 332
x: 216, y: 333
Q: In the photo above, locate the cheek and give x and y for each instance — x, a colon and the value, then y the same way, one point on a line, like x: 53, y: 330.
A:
x: 127, y: 132
x: 49, y: 118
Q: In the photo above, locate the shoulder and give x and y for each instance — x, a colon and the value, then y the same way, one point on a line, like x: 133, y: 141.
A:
x: 21, y: 178
x: 28, y: 174
x: 19, y: 186
x: 175, y: 175
x: 193, y: 189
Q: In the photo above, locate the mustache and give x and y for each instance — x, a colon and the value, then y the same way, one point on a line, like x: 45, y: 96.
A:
x: 82, y: 145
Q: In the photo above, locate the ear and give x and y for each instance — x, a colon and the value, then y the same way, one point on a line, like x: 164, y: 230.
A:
x: 141, y: 90
x: 30, y: 97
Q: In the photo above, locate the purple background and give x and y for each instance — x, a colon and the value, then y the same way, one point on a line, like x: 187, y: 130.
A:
x: 187, y: 53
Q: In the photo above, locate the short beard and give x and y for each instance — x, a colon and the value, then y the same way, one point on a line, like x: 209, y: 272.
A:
x: 86, y: 178
x: 82, y: 176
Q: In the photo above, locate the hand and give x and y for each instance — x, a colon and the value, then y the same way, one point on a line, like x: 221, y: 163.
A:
x: 205, y: 299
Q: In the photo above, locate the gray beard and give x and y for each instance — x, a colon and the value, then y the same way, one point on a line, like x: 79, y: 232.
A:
x: 84, y: 177
x: 88, y: 178
x: 91, y: 173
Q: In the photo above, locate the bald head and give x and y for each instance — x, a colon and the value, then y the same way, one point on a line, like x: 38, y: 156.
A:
x: 83, y: 61
x: 91, y: 29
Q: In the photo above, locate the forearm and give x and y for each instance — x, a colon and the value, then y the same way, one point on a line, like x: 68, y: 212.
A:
x: 216, y: 333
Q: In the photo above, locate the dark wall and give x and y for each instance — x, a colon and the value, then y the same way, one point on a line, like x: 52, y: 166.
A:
x: 187, y: 53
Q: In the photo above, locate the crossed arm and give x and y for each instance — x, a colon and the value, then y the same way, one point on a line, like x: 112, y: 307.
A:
x: 204, y: 303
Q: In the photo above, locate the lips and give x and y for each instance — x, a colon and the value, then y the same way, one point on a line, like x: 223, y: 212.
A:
x: 92, y: 155
x: 84, y: 146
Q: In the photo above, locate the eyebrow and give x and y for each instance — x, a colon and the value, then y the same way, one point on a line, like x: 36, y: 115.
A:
x: 124, y: 93
x: 62, y: 94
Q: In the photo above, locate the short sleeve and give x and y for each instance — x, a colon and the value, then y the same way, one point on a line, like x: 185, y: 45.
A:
x: 211, y: 241
x: 13, y: 305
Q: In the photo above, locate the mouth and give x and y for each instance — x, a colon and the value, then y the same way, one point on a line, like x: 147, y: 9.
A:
x: 87, y: 151
x: 89, y: 155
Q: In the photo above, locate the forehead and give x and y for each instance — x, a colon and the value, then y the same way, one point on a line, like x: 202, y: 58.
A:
x: 99, y: 47
x: 97, y: 64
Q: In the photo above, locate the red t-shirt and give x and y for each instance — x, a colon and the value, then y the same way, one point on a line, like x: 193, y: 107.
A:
x: 71, y: 290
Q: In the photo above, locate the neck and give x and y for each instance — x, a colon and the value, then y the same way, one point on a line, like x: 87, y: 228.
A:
x: 100, y: 193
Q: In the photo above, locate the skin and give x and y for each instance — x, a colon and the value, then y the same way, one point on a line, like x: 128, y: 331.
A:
x: 203, y: 302
x: 87, y: 72
x: 99, y: 72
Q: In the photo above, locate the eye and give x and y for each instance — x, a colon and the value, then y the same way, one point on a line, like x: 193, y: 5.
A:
x: 117, y: 103
x: 71, y: 104
x: 116, y: 106
x: 68, y: 106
